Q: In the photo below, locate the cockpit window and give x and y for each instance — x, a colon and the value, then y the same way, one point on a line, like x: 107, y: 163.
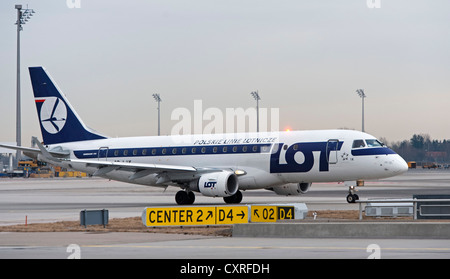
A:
x: 374, y: 143
x: 358, y: 143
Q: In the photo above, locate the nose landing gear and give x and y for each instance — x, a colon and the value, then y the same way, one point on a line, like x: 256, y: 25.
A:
x: 352, y: 197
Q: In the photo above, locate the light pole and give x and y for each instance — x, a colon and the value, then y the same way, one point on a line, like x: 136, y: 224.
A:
x: 158, y: 99
x: 257, y: 98
x: 362, y: 95
x: 23, y: 15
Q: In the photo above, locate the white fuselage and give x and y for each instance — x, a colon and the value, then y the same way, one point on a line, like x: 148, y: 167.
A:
x: 268, y: 159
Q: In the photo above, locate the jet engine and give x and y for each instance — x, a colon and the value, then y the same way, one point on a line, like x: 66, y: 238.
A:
x: 292, y: 189
x: 217, y: 184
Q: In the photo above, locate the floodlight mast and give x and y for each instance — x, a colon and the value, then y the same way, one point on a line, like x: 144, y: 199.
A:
x: 157, y: 98
x: 255, y: 95
x: 361, y: 94
x: 23, y: 15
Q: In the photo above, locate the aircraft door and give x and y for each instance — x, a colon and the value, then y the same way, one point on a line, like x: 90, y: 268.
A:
x: 332, y: 151
x: 103, y: 153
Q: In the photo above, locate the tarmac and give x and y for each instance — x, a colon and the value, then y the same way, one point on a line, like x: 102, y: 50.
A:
x: 50, y: 200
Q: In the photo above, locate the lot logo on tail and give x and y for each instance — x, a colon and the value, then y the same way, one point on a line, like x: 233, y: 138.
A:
x: 53, y: 114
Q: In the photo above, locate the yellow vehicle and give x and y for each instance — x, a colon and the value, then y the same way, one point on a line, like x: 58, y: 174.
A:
x: 429, y: 166
x: 31, y: 164
x: 61, y: 172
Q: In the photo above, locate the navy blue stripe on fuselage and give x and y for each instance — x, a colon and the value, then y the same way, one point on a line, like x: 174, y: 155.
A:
x: 173, y: 151
x: 372, y: 151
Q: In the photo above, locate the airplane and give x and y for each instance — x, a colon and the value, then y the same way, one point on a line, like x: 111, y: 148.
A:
x: 215, y: 165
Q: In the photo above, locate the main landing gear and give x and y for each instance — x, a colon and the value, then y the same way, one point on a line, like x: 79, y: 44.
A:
x: 188, y: 197
x: 185, y: 197
x: 236, y: 198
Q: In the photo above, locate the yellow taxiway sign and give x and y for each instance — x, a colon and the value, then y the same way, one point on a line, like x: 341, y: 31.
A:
x: 195, y: 215
x: 271, y: 213
x: 214, y: 215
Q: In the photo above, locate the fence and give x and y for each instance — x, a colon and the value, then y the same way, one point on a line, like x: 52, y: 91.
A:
x: 424, y: 208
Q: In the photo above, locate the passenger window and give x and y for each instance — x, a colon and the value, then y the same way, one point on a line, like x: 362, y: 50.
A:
x: 193, y: 150
x: 265, y: 149
x: 174, y: 151
x: 125, y: 152
x: 116, y: 153
x: 224, y: 149
x: 153, y: 151
x: 144, y: 152
x: 135, y: 152
x: 255, y: 148
x: 244, y: 148
x: 215, y: 149
x: 234, y: 148
x: 358, y: 143
x: 164, y: 151
x: 183, y: 150
x: 203, y: 150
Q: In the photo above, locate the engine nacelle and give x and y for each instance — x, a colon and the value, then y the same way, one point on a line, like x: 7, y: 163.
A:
x: 218, y: 184
x: 292, y: 189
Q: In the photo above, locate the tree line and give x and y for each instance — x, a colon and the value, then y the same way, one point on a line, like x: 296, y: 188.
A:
x: 421, y: 148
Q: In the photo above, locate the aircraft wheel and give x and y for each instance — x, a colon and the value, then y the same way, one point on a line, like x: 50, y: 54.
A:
x: 183, y: 197
x: 236, y: 198
x: 352, y: 198
x: 191, y: 197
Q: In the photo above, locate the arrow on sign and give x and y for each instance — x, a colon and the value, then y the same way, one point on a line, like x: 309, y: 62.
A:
x: 242, y: 214
x: 256, y: 213
x: 210, y: 214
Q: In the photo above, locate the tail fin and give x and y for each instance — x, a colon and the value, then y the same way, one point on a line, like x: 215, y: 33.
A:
x: 59, y: 121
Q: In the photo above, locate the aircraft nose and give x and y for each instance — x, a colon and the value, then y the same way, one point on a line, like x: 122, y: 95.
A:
x: 400, y: 166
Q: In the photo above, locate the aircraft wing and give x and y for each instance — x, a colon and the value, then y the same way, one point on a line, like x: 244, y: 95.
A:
x: 166, y: 173
x: 155, y: 168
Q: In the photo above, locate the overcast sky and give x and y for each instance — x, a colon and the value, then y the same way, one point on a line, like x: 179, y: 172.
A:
x: 306, y: 58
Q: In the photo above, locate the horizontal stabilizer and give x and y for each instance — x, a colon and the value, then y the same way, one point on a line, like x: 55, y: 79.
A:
x: 35, y: 151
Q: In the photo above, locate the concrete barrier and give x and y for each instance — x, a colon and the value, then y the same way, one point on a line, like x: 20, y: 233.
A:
x: 345, y: 230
